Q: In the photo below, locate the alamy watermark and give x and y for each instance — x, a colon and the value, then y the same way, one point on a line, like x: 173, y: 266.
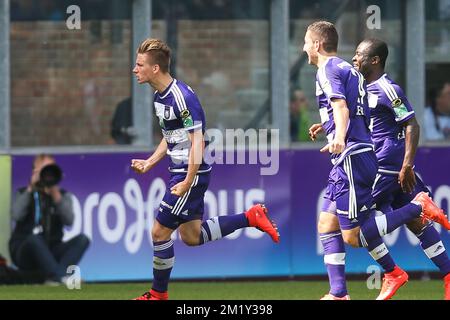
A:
x: 374, y: 280
x: 73, y: 22
x: 374, y: 17
x: 73, y: 278
x: 231, y: 146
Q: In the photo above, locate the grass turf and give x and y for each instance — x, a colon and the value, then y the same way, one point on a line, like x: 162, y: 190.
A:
x: 246, y: 290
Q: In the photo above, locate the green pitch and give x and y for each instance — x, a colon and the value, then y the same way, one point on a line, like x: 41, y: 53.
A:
x: 261, y: 290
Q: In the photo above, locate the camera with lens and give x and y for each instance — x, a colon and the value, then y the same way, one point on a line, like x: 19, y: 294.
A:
x: 49, y: 176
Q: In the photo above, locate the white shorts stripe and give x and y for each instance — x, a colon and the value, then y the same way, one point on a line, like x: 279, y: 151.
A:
x: 377, y: 177
x: 177, y: 209
x: 180, y: 199
x: 352, y: 203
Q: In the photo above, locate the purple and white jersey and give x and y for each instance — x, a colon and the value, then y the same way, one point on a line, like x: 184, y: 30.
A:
x: 338, y: 79
x: 179, y: 112
x: 389, y: 110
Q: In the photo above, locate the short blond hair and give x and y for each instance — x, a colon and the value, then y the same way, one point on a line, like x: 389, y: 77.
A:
x: 327, y: 34
x: 158, y: 51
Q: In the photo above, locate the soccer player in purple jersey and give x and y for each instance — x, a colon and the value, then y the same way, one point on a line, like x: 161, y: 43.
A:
x: 182, y: 122
x: 395, y: 133
x: 348, y: 211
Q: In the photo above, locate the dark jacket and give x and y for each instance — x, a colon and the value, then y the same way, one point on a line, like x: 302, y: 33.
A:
x: 53, y: 217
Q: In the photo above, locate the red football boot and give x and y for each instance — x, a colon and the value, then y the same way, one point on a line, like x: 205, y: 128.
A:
x: 392, y: 281
x: 153, y: 295
x: 430, y: 211
x: 257, y: 217
x: 447, y: 287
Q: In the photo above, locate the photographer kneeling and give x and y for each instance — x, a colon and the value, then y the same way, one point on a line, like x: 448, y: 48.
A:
x: 40, y: 211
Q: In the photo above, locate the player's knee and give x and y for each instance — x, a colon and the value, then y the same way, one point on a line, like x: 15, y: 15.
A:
x: 351, y: 239
x: 190, y: 240
x: 327, y: 223
x: 159, y: 235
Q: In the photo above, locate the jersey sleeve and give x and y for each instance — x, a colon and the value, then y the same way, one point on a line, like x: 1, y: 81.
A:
x: 396, y: 99
x: 189, y: 111
x: 332, y: 83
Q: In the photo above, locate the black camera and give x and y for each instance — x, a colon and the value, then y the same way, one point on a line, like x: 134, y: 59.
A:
x: 49, y: 176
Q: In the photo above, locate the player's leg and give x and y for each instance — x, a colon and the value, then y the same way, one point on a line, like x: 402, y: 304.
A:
x: 194, y: 232
x: 385, y: 192
x: 163, y: 261
x: 334, y: 252
x: 164, y: 225
x: 430, y: 239
x: 333, y: 245
x: 355, y: 205
x: 421, y: 206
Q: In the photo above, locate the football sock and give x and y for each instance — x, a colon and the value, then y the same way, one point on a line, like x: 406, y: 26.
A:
x: 379, y: 252
x: 219, y: 227
x: 163, y: 260
x: 431, y: 243
x: 334, y: 259
x: 378, y: 226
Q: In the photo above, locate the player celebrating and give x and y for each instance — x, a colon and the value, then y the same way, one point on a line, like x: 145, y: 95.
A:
x: 395, y: 133
x: 342, y: 99
x: 182, y: 122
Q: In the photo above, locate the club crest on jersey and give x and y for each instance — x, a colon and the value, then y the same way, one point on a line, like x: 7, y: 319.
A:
x: 166, y: 112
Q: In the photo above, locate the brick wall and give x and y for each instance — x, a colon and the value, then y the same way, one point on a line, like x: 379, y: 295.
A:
x: 65, y: 84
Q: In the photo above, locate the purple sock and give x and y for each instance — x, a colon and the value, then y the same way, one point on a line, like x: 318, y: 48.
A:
x: 378, y: 226
x: 334, y: 258
x: 163, y: 260
x: 431, y: 243
x: 219, y: 227
x: 380, y: 253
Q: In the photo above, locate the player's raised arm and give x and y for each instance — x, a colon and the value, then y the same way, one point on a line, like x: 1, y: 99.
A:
x: 341, y: 119
x: 142, y: 166
x: 195, y: 160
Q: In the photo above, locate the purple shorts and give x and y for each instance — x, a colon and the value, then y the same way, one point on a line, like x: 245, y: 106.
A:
x: 388, y: 194
x: 349, y: 190
x: 175, y: 210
